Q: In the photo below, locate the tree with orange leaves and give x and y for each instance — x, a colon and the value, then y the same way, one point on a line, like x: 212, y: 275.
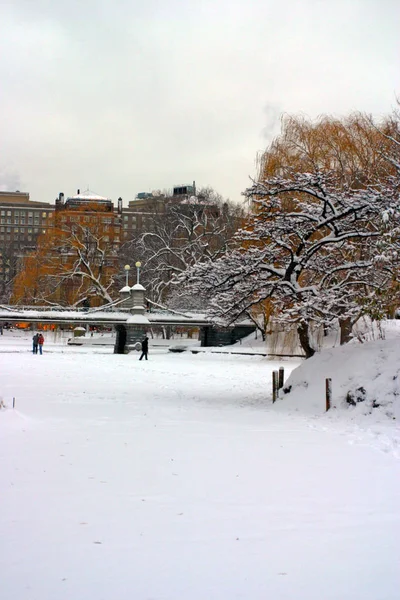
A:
x: 74, y: 264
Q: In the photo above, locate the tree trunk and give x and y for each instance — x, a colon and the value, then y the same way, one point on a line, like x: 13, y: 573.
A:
x: 346, y: 326
x: 303, y: 331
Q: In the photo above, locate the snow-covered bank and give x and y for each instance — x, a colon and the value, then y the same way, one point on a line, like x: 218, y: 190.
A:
x: 365, y: 381
x: 176, y: 478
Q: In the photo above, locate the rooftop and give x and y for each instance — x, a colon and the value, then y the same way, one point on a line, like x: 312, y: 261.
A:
x: 89, y: 196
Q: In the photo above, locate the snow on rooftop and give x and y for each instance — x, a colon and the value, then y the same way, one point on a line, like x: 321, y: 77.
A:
x: 89, y: 195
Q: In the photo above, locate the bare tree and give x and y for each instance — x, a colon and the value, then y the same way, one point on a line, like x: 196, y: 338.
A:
x: 73, y: 265
x: 183, y: 234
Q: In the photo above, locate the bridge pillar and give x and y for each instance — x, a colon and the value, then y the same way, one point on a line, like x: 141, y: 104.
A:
x: 137, y: 324
x: 125, y: 293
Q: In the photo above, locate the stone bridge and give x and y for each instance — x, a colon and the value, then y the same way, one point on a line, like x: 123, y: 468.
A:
x: 130, y: 320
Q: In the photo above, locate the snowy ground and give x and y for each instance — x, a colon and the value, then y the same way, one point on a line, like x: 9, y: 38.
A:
x: 176, y: 479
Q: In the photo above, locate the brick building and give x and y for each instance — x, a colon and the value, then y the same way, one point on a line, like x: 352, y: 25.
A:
x: 22, y: 221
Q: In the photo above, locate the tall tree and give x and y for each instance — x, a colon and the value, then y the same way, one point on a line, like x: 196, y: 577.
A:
x: 312, y: 244
x: 75, y: 263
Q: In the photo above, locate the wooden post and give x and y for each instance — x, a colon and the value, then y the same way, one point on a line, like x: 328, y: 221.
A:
x: 281, y: 377
x: 328, y: 392
x: 274, y: 385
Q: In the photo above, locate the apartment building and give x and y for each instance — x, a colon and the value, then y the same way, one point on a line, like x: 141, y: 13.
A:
x: 21, y: 222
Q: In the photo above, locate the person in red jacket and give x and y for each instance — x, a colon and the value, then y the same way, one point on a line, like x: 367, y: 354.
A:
x: 40, y: 343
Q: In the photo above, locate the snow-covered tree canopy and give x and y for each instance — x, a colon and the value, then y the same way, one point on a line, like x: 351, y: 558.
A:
x: 299, y: 241
x: 311, y: 246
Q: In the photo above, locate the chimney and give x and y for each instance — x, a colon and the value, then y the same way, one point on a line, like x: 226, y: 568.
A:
x: 60, y: 199
x: 78, y: 192
x: 120, y: 206
x: 194, y: 188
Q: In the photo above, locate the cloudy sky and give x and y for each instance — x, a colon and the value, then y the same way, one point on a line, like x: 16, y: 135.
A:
x: 126, y: 96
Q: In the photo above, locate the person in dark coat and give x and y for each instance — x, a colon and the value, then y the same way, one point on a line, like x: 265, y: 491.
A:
x: 145, y: 347
x: 35, y: 343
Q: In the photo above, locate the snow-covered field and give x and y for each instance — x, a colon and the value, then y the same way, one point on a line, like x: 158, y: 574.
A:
x: 176, y: 479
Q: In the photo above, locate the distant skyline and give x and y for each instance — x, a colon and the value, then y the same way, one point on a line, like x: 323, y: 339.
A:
x: 126, y: 97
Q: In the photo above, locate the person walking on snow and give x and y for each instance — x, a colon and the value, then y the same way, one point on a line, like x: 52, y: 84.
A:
x: 40, y: 343
x: 35, y: 343
x: 145, y: 347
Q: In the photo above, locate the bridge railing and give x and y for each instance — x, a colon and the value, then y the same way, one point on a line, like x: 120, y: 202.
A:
x: 21, y: 308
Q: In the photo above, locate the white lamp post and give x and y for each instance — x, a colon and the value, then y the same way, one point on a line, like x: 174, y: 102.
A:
x: 138, y: 264
x: 127, y: 269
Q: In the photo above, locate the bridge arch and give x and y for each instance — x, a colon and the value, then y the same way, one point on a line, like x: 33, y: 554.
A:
x: 120, y: 339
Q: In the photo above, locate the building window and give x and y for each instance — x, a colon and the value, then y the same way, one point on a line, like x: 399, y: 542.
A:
x: 9, y: 213
x: 8, y: 229
x: 29, y: 230
x: 30, y: 220
x: 16, y: 230
x: 44, y: 215
x: 36, y: 230
x: 16, y: 220
x: 8, y: 219
x: 43, y: 231
x: 2, y: 229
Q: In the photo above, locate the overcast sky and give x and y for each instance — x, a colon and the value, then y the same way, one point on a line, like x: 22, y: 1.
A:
x: 126, y: 96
